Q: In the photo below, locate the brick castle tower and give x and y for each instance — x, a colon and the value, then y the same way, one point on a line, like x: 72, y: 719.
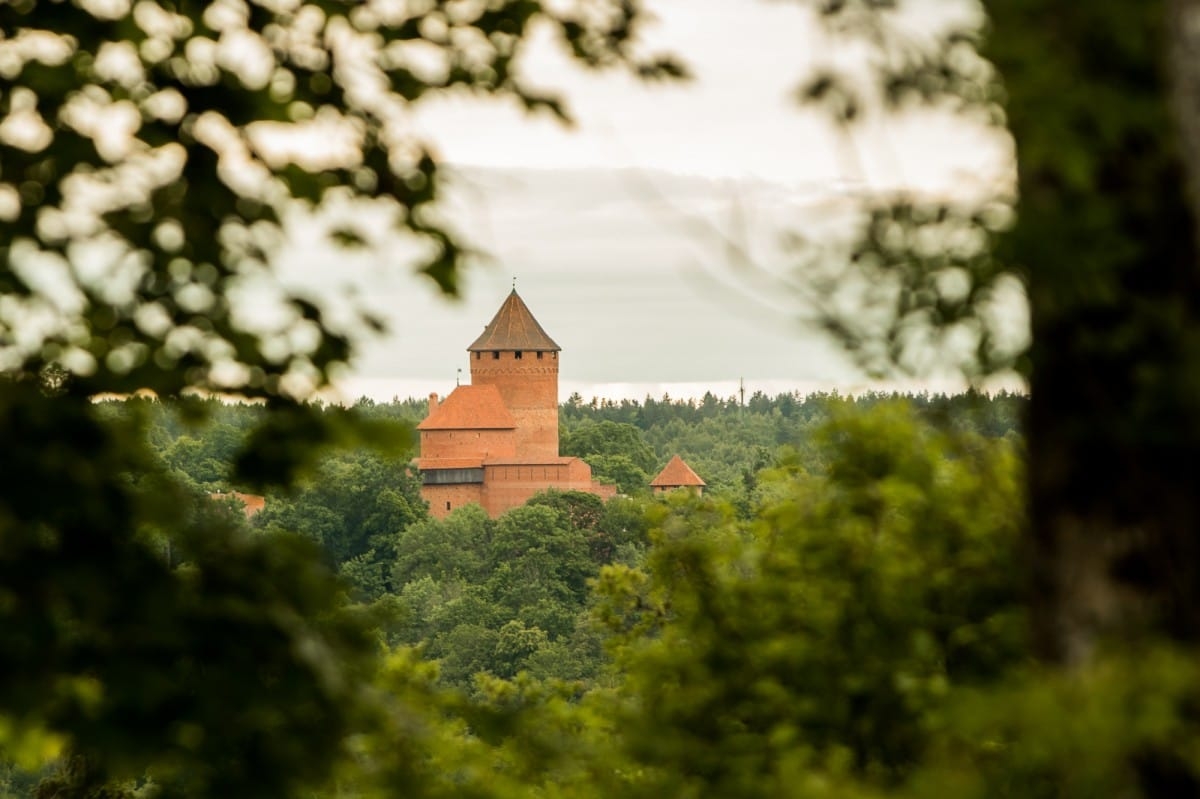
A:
x: 516, y: 356
x: 495, y: 442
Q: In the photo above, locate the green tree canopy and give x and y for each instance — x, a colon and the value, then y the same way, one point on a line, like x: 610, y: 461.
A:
x: 148, y: 166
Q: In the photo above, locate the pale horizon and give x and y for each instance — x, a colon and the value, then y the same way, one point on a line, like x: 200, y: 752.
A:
x: 350, y: 391
x: 648, y: 239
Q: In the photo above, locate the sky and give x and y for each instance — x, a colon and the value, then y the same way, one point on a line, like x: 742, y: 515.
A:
x: 736, y: 118
x: 619, y: 231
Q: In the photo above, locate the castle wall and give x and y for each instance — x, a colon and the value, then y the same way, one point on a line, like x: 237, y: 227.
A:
x: 468, y: 444
x: 508, y: 485
x: 468, y: 439
x: 444, y: 499
x: 528, y: 384
x: 511, y: 485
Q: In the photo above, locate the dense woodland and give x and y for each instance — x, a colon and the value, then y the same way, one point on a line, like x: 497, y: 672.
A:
x: 359, y: 499
x: 879, y: 597
x: 578, y: 598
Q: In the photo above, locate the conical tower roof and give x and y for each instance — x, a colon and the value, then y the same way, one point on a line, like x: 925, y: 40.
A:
x: 514, y: 328
x: 676, y: 474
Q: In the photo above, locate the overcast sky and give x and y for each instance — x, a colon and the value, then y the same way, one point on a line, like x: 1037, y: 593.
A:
x: 619, y: 253
x: 736, y: 118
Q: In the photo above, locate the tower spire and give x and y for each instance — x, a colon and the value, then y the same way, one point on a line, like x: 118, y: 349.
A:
x: 514, y: 329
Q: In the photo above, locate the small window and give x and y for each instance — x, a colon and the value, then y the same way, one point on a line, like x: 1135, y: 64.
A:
x: 496, y: 355
x: 518, y: 354
x: 477, y: 354
x: 554, y: 355
x: 539, y: 355
x: 447, y: 506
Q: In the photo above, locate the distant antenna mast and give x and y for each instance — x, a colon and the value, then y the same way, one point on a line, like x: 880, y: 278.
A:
x: 742, y: 390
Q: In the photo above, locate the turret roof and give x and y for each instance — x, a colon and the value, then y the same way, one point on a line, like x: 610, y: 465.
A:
x: 470, y: 408
x: 512, y: 329
x: 676, y: 473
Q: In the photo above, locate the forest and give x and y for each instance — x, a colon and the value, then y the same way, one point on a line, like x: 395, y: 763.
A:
x: 561, y: 600
x: 972, y: 596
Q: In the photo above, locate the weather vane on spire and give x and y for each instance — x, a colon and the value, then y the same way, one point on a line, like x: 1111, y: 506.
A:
x: 514, y: 282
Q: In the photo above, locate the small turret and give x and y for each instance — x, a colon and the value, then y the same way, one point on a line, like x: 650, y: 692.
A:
x: 677, y: 474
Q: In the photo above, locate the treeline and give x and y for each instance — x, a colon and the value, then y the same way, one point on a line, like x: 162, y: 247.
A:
x: 626, y: 442
x: 989, y: 414
x: 725, y: 440
x: 511, y: 595
x: 727, y: 443
x: 846, y: 616
x: 820, y: 617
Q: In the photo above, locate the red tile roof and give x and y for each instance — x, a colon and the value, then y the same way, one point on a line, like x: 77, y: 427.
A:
x: 514, y: 328
x: 676, y: 473
x: 470, y: 408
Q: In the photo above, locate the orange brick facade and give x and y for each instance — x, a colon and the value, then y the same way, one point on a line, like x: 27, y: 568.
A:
x: 528, y: 384
x: 469, y: 443
x: 495, y: 442
x: 443, y: 499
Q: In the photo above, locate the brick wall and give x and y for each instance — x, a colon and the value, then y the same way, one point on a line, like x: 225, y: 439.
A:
x: 444, y: 499
x: 468, y: 444
x: 511, y: 485
x: 529, y: 387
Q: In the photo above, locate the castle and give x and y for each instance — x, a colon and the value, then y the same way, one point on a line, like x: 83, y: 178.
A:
x: 495, y: 442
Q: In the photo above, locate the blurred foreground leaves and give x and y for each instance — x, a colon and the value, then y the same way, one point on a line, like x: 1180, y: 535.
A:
x: 151, y: 156
x: 226, y: 663
x: 863, y: 632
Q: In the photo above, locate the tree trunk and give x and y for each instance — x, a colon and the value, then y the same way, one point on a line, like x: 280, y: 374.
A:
x: 1183, y: 65
x: 1107, y: 240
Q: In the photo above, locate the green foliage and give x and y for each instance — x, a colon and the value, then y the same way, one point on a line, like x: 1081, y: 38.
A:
x: 509, y: 595
x: 616, y: 452
x: 493, y: 599
x: 194, y: 671
x: 827, y: 635
x: 535, y: 555
x: 620, y: 470
x: 608, y: 438
x: 142, y: 628
x: 844, y: 616
x: 1123, y: 725
x: 727, y: 444
x: 17, y: 783
x: 355, y: 503
x: 451, y: 548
